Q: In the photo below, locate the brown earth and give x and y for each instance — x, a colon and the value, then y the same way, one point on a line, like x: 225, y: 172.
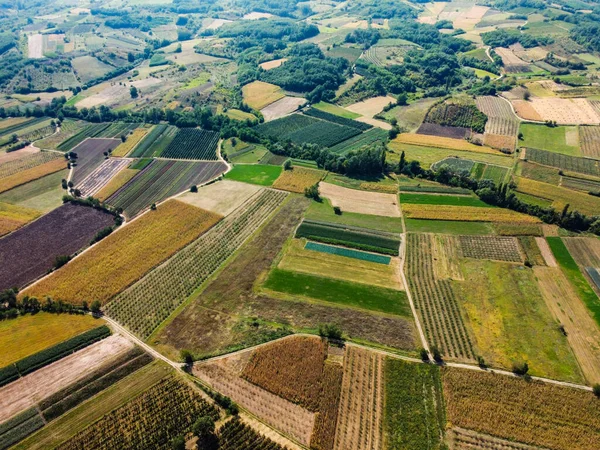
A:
x: 352, y: 200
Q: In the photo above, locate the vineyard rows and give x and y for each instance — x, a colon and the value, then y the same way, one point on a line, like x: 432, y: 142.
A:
x: 501, y: 118
x: 152, y: 420
x: 150, y: 301
x: 360, y: 421
x: 27, y: 162
x: 90, y: 154
x: 360, y: 141
x: 193, y: 143
x: 313, y: 112
x: 500, y: 248
x: 143, y: 149
x: 323, y: 437
x: 91, y: 130
x: 589, y: 138
x: 502, y: 126
x: 101, y: 176
x: 573, y: 163
x: 435, y: 301
x: 160, y: 180
x: 235, y: 435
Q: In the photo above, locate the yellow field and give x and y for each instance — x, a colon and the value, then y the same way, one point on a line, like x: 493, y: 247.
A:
x: 13, y: 217
x: 132, y: 140
x: 12, y: 121
x: 259, y: 94
x: 115, y: 184
x: 126, y: 255
x: 584, y: 203
x: 466, y: 214
x: 443, y: 142
x: 34, y: 173
x: 30, y: 334
x: 297, y: 179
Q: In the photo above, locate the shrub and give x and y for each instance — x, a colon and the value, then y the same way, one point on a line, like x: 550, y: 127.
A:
x: 337, y: 210
x: 520, y: 368
x: 186, y: 356
x: 596, y: 390
x: 424, y: 355
x: 331, y: 331
x: 437, y: 355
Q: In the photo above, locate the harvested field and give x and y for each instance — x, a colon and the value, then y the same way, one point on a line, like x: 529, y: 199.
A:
x: 123, y: 257
x: 221, y: 198
x: 446, y: 254
x: 360, y: 416
x: 582, y: 332
x: 585, y: 251
x: 362, y: 202
x: 279, y: 413
x: 496, y: 248
x: 590, y: 141
x: 277, y: 369
x: 115, y: 183
x: 512, y: 63
x: 272, y: 64
x: 132, y: 140
x: 547, y: 415
x: 29, y: 334
x: 442, y: 142
x: 169, y: 284
x: 90, y: 154
x: 576, y: 111
x: 526, y: 111
x: 546, y: 252
x: 560, y: 196
x: 432, y: 129
x: 511, y: 229
x: 501, y: 118
x: 298, y: 178
x: 500, y: 141
x: 371, y: 107
x: 160, y: 180
x: 282, y: 107
x: 31, y: 251
x: 30, y: 389
x: 465, y: 213
x: 435, y: 301
x: 13, y: 217
x: 101, y: 176
x: 259, y: 94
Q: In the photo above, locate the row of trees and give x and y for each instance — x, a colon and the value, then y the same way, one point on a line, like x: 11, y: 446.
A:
x: 12, y: 307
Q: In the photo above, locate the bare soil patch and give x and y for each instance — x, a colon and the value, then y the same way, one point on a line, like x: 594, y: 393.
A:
x: 512, y: 63
x: 273, y: 63
x: 282, y: 107
x: 222, y: 197
x: 525, y: 110
x: 6, y: 157
x: 585, y: 251
x: 371, y: 106
x: 362, y: 202
x: 577, y: 111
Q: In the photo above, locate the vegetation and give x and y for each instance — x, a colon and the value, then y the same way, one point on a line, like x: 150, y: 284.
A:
x: 193, y: 144
x: 263, y: 175
x: 457, y: 115
x: 235, y: 435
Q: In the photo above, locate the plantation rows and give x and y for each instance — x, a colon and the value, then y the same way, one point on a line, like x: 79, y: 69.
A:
x: 360, y: 141
x: 14, y: 129
x: 235, y: 435
x: 37, y: 134
x: 150, y: 301
x: 101, y: 176
x: 152, y: 420
x: 573, y: 163
x: 143, y: 149
x: 502, y: 126
x: 501, y: 118
x: 589, y: 137
x: 313, y: 112
x: 91, y: 130
x: 90, y: 154
x: 19, y: 427
x: 193, y: 143
x: 500, y: 248
x: 323, y: 437
x: 115, y: 130
x: 456, y: 115
x: 27, y: 162
x: 580, y: 184
x: 162, y: 179
x: 483, y: 171
x: 435, y: 301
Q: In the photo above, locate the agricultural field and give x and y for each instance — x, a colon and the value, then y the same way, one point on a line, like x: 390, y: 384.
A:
x: 126, y: 256
x: 43, y: 194
x: 493, y: 248
x: 461, y: 115
x: 440, y: 199
x: 115, y: 183
x: 31, y: 251
x: 585, y: 166
x: 562, y: 140
x: 263, y: 175
x: 297, y: 179
x: 361, y: 202
x: 360, y: 141
x: 465, y: 213
x: 25, y: 162
x: 502, y: 125
x: 132, y: 140
x: 155, y: 141
x: 258, y: 94
x: 101, y: 176
x: 89, y: 131
x: 222, y: 197
x: 334, y: 109
x: 330, y: 117
x: 90, y: 155
x: 160, y: 180
x: 564, y: 111
x: 68, y: 129
x: 282, y: 107
x: 410, y: 117
x: 14, y: 217
x: 193, y: 143
x: 589, y: 138
x: 25, y: 175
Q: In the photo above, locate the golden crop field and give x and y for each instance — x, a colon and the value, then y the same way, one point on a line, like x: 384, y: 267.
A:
x: 259, y: 94
x: 116, y: 183
x: 465, y: 213
x: 132, y: 140
x: 34, y: 173
x: 32, y: 333
x: 126, y: 255
x: 443, y: 142
x: 13, y: 217
x: 560, y: 196
x: 531, y: 412
x: 297, y: 179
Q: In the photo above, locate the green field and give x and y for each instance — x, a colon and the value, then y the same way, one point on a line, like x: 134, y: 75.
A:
x: 254, y: 174
x: 340, y: 292
x: 413, y: 416
x: 410, y: 117
x: 549, y: 138
x: 252, y: 156
x: 323, y: 211
x: 448, y: 227
x: 429, y: 155
x: 579, y: 282
x: 43, y: 194
x: 337, y: 110
x: 435, y: 199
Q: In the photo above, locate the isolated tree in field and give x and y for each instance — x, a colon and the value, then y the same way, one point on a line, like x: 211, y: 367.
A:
x: 64, y: 184
x: 424, y: 355
x: 204, y: 429
x: 130, y: 57
x: 520, y: 368
x: 233, y: 142
x: 526, y: 95
x: 287, y: 165
x: 331, y: 331
x: 194, y: 188
x: 123, y: 138
x: 186, y: 356
x: 402, y: 162
x: 133, y: 92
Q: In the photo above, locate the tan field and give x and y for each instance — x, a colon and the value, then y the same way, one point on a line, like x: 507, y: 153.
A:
x: 6, y: 157
x: 273, y: 63
x: 259, y: 94
x: 27, y: 391
x: 222, y: 197
x: 565, y: 111
x: 376, y: 123
x: 525, y: 110
x: 362, y: 202
x: 282, y: 107
x: 546, y: 252
x: 585, y: 251
x: 371, y: 106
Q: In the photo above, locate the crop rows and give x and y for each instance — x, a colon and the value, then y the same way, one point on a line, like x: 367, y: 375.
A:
x: 37, y: 134
x: 470, y: 440
x: 101, y: 176
x: 235, y: 435
x: 143, y: 148
x: 580, y: 184
x: 27, y: 162
x: 150, y: 301
x: 115, y: 130
x: 573, y: 163
x: 90, y: 155
x: 132, y: 140
x: 500, y: 248
x: 434, y: 129
x: 162, y: 179
x: 19, y: 427
x: 348, y: 253
x: 33, y: 173
x: 501, y: 119
x: 313, y: 112
x: 193, y: 143
x: 457, y: 115
x: 323, y: 437
x: 360, y: 141
x: 589, y: 138
x: 152, y: 420
x: 360, y: 421
x: 435, y: 301
x: 91, y: 130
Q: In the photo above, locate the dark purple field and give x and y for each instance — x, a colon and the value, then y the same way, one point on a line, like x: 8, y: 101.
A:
x: 90, y: 154
x: 30, y: 252
x: 432, y: 129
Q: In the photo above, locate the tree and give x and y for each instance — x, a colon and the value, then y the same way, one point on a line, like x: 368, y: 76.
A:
x: 153, y: 206
x: 402, y: 162
x: 204, y: 429
x: 337, y: 210
x: 133, y: 92
x: 526, y: 95
x: 313, y: 192
x: 424, y: 355
x: 186, y: 356
x: 194, y: 188
x: 95, y: 307
x: 287, y: 165
x: 64, y: 184
x: 123, y: 138
x: 130, y: 57
x: 331, y: 331
x: 178, y: 443
x: 437, y: 355
x: 520, y: 368
x: 596, y: 390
